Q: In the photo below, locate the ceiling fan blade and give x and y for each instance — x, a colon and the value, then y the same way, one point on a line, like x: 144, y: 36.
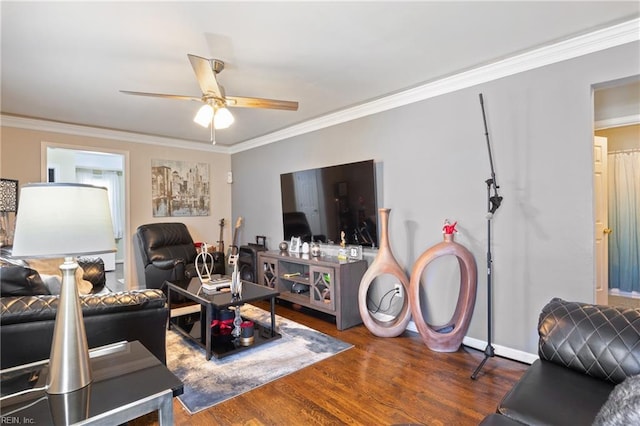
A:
x: 239, y: 101
x: 162, y: 95
x: 206, y: 76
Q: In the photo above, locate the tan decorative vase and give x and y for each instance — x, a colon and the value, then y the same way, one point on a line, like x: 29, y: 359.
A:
x: 384, y: 264
x: 447, y: 337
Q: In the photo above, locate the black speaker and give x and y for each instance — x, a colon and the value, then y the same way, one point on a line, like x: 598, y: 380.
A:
x: 248, y: 262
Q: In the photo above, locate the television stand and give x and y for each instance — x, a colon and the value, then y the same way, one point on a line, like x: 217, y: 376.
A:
x: 324, y: 284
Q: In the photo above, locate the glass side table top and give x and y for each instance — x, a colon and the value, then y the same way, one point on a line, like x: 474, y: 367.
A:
x: 122, y: 374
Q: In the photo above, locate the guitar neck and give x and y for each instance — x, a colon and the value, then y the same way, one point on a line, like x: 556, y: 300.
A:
x: 234, y: 247
x: 221, y: 241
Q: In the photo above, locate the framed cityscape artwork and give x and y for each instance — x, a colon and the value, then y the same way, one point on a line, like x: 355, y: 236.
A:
x: 179, y: 188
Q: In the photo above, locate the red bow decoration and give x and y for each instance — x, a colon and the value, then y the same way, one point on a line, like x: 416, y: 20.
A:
x: 448, y: 228
x: 224, y: 326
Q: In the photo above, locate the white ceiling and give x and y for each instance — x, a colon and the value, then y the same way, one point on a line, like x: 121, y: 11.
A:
x: 67, y: 61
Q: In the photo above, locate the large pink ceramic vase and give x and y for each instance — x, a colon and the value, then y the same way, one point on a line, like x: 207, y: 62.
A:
x: 447, y: 337
x: 384, y: 264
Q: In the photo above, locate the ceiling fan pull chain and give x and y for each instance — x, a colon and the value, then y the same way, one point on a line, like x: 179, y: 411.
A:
x: 213, y: 133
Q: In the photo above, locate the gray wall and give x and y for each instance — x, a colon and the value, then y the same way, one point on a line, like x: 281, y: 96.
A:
x: 432, y: 164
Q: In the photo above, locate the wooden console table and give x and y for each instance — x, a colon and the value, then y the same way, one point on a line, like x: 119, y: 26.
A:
x: 324, y: 283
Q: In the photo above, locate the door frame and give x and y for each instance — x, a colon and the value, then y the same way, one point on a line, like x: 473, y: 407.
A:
x: 601, y: 223
x: 129, y: 261
x: 610, y: 121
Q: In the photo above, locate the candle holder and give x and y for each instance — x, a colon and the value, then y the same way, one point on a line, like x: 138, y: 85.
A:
x: 247, y: 330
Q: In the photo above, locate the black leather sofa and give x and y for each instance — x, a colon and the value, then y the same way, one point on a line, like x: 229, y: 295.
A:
x: 585, y: 351
x: 92, y: 270
x: 26, y: 323
x: 28, y: 311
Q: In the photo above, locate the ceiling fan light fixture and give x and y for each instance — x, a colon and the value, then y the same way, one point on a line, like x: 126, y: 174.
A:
x: 222, y: 118
x: 214, y: 113
x: 204, y: 115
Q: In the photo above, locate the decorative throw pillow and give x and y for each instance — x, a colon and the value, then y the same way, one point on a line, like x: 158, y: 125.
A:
x: 623, y: 405
x: 52, y: 282
x: 52, y: 267
x: 20, y: 281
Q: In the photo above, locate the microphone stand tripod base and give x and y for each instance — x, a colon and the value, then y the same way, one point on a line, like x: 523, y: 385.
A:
x: 488, y: 353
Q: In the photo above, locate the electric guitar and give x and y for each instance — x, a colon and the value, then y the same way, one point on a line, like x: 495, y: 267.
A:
x: 233, y: 250
x: 220, y: 241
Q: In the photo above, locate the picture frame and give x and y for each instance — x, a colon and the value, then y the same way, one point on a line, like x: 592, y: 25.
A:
x: 294, y: 246
x: 354, y: 252
x: 179, y: 188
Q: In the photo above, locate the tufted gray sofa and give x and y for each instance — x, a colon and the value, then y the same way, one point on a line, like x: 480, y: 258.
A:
x: 585, y: 350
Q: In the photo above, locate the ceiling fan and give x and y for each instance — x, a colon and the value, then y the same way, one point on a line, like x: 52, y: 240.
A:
x: 214, y: 112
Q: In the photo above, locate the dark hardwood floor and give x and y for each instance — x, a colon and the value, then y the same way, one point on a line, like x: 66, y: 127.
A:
x: 380, y: 381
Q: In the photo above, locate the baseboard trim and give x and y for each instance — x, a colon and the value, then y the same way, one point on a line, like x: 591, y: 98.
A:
x: 502, y: 351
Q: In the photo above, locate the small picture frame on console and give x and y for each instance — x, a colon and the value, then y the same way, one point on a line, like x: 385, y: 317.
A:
x: 294, y: 246
x: 354, y: 253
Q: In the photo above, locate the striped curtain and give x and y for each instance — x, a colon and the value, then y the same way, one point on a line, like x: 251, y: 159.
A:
x: 624, y: 219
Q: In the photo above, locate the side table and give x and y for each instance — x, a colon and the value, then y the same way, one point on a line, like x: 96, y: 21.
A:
x: 128, y: 382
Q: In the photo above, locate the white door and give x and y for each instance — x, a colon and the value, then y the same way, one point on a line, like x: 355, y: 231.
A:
x: 602, y: 230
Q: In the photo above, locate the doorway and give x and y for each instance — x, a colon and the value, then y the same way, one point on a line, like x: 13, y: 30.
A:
x: 617, y: 122
x: 96, y: 166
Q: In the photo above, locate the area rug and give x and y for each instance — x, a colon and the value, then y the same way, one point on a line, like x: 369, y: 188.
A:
x: 207, y: 383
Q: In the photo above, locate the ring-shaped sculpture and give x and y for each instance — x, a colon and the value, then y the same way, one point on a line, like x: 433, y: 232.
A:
x: 384, y: 264
x: 448, y: 337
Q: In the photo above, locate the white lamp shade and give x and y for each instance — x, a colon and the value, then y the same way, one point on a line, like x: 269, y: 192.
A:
x: 204, y: 115
x: 223, y: 118
x: 60, y: 220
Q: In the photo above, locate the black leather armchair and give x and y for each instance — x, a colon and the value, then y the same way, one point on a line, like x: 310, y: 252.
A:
x: 165, y: 252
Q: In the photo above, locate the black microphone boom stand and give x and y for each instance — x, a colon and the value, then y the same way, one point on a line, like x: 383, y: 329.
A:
x: 493, y: 203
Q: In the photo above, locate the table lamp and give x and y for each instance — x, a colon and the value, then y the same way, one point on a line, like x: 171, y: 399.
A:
x: 65, y: 220
x: 8, y: 204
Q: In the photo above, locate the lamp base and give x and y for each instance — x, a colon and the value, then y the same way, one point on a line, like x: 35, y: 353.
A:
x: 69, y: 364
x: 70, y: 408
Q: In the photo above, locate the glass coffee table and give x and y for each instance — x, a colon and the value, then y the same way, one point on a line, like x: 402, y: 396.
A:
x: 197, y: 326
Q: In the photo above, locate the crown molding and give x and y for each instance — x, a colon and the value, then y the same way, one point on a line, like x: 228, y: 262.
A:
x: 616, y: 35
x: 609, y: 123
x: 95, y: 132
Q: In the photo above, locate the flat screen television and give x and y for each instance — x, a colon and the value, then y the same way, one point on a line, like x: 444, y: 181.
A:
x: 319, y: 204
